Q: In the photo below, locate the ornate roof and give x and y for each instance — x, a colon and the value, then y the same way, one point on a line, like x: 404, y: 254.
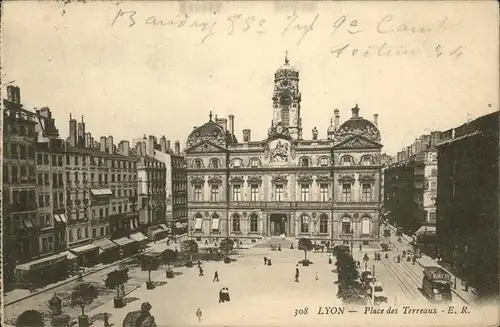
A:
x: 286, y: 71
x: 210, y: 131
x: 357, y: 126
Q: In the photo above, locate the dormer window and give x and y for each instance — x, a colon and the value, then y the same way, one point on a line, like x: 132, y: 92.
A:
x: 324, y: 162
x: 366, y: 161
x: 254, y: 163
x: 304, y: 162
x: 237, y: 163
x: 214, y: 163
x: 346, y: 161
x: 197, y: 164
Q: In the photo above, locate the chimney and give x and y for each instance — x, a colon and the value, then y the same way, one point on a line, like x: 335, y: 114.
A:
x: 81, y: 134
x: 102, y: 144
x: 143, y: 147
x: 151, y: 146
x: 337, y: 119
x: 246, y: 135
x: 11, y: 93
x: 177, y: 148
x: 72, y: 132
x: 222, y: 122
x: 125, y: 148
x: 168, y: 146
x: 45, y: 112
x: 88, y: 143
x: 375, y: 119
x: 109, y: 144
x: 231, y: 124
x: 163, y: 144
x: 355, y: 112
x: 92, y: 143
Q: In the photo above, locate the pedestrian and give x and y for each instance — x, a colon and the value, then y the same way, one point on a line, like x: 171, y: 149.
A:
x: 265, y: 260
x: 399, y: 258
x: 221, y: 295
x: 206, y: 242
x: 228, y: 298
x: 198, y: 314
x: 360, y: 247
x: 329, y: 259
x: 291, y: 246
x: 201, y: 271
x: 106, y: 320
x: 297, y: 273
x: 216, y: 276
x: 316, y: 277
x: 199, y: 263
x: 279, y: 247
x: 386, y: 256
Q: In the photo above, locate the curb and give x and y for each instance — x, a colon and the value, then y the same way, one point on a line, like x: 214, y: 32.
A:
x: 69, y: 280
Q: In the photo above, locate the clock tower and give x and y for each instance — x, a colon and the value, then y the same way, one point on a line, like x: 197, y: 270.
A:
x: 286, y: 99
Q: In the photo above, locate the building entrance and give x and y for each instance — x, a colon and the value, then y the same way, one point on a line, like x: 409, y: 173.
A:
x: 279, y: 224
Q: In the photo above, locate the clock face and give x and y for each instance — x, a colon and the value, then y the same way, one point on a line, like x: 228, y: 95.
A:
x: 285, y: 100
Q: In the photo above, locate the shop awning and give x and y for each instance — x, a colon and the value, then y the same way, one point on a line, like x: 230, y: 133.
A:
x: 43, y: 262
x: 105, y: 244
x: 132, y: 225
x: 70, y: 256
x: 84, y: 248
x: 164, y: 227
x: 61, y: 218
x: 123, y: 241
x: 139, y: 237
x: 153, y: 233
x: 215, y: 224
x: 426, y: 230
x: 27, y: 223
x: 101, y: 191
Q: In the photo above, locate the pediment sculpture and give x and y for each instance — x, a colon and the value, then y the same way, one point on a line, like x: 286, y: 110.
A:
x: 305, y: 179
x: 237, y: 180
x: 367, y: 178
x: 279, y: 179
x: 347, y: 178
x: 280, y: 151
x: 197, y: 180
x: 254, y: 180
x: 324, y: 179
x: 215, y: 180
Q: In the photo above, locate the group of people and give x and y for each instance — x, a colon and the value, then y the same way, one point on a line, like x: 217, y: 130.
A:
x: 224, y: 295
x: 267, y: 261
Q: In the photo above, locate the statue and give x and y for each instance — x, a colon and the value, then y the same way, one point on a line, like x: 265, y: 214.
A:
x: 315, y: 133
x: 140, y: 318
x: 280, y: 152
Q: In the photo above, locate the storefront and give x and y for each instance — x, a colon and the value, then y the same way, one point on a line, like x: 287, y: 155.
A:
x: 87, y: 255
x: 128, y: 247
x: 180, y: 227
x: 43, y: 271
x: 108, y: 251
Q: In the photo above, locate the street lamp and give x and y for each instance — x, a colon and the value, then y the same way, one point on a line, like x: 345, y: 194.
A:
x: 191, y: 232
x: 352, y: 241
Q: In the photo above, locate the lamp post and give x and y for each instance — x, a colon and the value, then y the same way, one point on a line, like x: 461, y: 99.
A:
x: 352, y: 240
x: 191, y: 232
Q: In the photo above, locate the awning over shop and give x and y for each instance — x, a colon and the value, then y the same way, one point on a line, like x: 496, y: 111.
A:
x: 61, y: 218
x: 139, y: 237
x: 426, y: 230
x: 84, y: 248
x: 70, y: 256
x: 164, y: 227
x: 153, y: 233
x: 104, y: 244
x: 43, y: 262
x: 27, y: 223
x: 123, y: 241
x: 101, y: 191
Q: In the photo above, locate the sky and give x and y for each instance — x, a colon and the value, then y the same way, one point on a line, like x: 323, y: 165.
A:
x: 134, y: 68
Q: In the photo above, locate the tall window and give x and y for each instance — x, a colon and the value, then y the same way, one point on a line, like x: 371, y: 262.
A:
x: 254, y: 228
x: 237, y: 163
x: 367, y: 192
x: 198, y: 220
x: 279, y: 192
x: 323, y: 191
x: 254, y: 163
x: 254, y: 192
x: 197, y: 192
x: 304, y: 162
x: 365, y: 226
x: 324, y: 162
x: 346, y: 226
x: 214, y: 195
x: 197, y: 164
x: 236, y: 192
x: 236, y: 223
x: 346, y: 192
x: 367, y: 161
x: 432, y: 216
x: 304, y: 192
x: 215, y: 223
x: 304, y: 224
x: 433, y: 186
x: 214, y: 163
x: 323, y: 224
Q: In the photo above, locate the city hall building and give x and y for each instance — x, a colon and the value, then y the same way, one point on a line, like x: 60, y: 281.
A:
x: 318, y: 188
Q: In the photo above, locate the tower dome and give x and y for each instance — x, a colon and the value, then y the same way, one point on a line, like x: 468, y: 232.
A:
x: 357, y: 125
x: 286, y: 71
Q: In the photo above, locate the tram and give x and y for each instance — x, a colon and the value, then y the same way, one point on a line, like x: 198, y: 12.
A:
x: 436, y: 284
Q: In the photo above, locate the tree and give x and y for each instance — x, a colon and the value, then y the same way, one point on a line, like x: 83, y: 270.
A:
x: 349, y: 289
x: 305, y: 245
x: 115, y: 279
x: 169, y: 256
x: 226, y: 246
x: 30, y: 318
x: 190, y: 247
x: 82, y: 295
x: 151, y: 263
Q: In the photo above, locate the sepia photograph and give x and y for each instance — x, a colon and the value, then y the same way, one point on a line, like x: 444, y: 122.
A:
x: 250, y: 163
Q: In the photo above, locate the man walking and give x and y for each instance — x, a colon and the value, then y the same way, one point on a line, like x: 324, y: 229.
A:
x: 198, y: 314
x: 265, y: 261
x: 201, y: 271
x: 297, y: 273
x: 216, y: 276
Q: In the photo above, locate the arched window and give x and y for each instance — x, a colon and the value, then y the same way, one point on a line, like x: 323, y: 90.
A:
x: 324, y: 161
x: 433, y: 186
x: 198, y: 222
x: 304, y: 162
x: 346, y: 225
x: 197, y: 164
x: 434, y: 171
x: 304, y: 224
x: 254, y: 223
x: 367, y: 160
x: 237, y: 163
x: 366, y: 225
x: 214, y: 163
x: 346, y: 161
x: 236, y: 224
x: 323, y: 224
x: 215, y: 223
x: 254, y: 163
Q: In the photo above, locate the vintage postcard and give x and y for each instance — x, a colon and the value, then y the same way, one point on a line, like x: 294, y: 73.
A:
x: 250, y: 163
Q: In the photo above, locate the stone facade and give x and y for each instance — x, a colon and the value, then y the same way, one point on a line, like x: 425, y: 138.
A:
x: 318, y: 188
